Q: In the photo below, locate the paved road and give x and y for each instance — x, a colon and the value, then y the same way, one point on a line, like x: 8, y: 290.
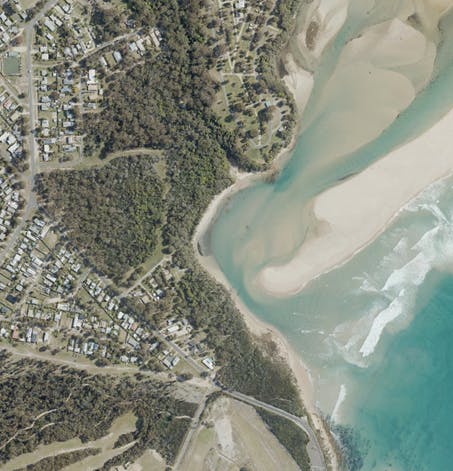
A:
x: 313, y: 448
x: 197, y: 367
x: 84, y: 365
x: 187, y: 441
x: 29, y: 196
x: 29, y: 36
x: 99, y: 47
x: 127, y: 291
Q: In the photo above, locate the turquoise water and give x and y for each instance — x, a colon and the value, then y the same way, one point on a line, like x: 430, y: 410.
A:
x: 397, y: 394
x: 404, y: 401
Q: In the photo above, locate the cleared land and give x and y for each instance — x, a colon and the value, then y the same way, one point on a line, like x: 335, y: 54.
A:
x: 124, y: 424
x: 231, y: 436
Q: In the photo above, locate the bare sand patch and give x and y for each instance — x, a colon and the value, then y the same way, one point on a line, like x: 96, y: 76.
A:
x: 299, y: 82
x: 122, y: 424
x: 359, y: 209
x: 232, y: 436
x: 330, y: 16
x: 149, y: 461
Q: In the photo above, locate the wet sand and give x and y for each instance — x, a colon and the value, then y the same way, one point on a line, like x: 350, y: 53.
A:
x: 356, y: 211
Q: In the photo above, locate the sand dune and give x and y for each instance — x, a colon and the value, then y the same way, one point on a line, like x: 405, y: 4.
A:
x: 356, y: 211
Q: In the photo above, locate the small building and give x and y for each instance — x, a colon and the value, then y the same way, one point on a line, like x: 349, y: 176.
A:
x: 209, y: 363
x: 173, y: 328
x: 50, y: 25
x: 117, y: 56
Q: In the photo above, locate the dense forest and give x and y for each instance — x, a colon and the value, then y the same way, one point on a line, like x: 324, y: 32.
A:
x: 43, y: 403
x: 164, y: 103
x: 246, y: 366
x: 112, y: 213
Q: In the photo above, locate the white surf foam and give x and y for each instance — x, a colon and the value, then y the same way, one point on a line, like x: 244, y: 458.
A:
x: 413, y: 273
x: 341, y: 397
x: 433, y: 249
x: 368, y: 287
x: 406, y: 254
x: 386, y: 316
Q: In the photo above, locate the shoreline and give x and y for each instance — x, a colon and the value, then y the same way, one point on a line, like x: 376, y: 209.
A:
x: 382, y: 190
x: 257, y: 327
x: 329, y: 213
x: 299, y: 83
x: 347, y: 217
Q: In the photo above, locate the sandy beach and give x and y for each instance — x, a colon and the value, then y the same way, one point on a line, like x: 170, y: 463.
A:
x: 259, y: 328
x: 300, y: 83
x: 382, y: 70
x: 356, y: 211
x: 365, y: 63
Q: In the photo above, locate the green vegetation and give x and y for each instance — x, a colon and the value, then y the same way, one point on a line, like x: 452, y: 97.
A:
x: 108, y: 23
x: 165, y: 103
x: 252, y: 101
x: 12, y: 64
x: 113, y: 213
x: 44, y: 403
x: 62, y: 460
x: 245, y: 365
x: 292, y: 437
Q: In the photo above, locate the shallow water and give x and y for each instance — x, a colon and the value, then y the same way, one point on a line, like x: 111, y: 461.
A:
x: 377, y: 329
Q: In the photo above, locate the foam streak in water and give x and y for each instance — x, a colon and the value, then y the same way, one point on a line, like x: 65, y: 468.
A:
x: 340, y: 400
x: 386, y: 316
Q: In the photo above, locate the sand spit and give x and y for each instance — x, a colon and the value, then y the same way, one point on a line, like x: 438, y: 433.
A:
x: 299, y: 82
x: 329, y: 16
x: 355, y: 212
x: 377, y: 76
x: 255, y: 325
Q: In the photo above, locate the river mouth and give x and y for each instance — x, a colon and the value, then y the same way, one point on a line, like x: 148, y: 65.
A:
x: 347, y: 324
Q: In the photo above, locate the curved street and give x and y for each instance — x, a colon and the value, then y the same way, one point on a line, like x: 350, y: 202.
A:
x: 313, y: 447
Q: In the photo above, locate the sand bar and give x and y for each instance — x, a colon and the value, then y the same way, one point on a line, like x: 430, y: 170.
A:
x: 355, y: 212
x: 299, y: 82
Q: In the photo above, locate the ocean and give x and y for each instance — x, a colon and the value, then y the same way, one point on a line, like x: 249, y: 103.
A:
x: 376, y: 332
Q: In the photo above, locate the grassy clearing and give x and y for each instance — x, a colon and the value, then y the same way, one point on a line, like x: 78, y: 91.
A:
x: 124, y: 424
